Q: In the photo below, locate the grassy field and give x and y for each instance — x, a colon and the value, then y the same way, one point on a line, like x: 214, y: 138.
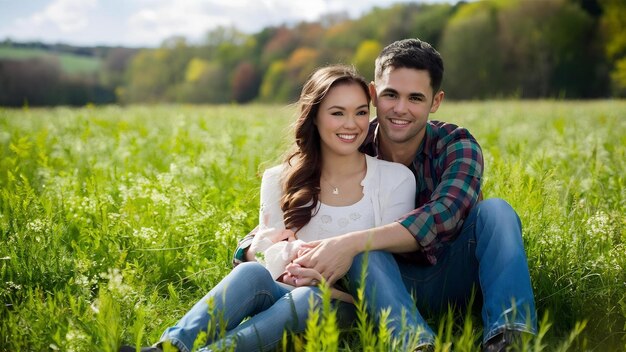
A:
x: 114, y: 221
x: 71, y: 64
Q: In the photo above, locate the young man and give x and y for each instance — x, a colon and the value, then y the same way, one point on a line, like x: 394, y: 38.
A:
x: 453, y: 242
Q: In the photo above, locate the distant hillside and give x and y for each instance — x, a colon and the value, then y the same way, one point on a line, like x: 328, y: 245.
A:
x: 72, y: 59
x: 70, y: 63
x: 41, y: 74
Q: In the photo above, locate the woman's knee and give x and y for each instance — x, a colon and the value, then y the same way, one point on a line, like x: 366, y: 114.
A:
x: 305, y: 298
x: 252, y: 272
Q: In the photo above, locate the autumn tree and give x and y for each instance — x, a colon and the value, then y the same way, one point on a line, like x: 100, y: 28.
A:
x: 365, y: 56
x: 272, y: 88
x: 245, y: 82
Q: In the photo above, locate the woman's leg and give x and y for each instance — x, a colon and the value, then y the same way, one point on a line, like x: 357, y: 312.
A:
x: 264, y: 331
x: 247, y: 290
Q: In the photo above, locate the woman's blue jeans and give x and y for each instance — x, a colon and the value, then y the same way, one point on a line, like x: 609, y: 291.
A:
x: 487, y: 255
x: 247, y: 291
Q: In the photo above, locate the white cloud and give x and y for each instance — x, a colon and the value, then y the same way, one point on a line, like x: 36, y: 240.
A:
x: 161, y: 19
x: 66, y: 15
x: 194, y: 18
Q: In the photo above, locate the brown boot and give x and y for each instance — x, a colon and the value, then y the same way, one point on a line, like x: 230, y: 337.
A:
x: 508, y: 340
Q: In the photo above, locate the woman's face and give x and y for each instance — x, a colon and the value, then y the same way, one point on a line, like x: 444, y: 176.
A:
x: 343, y: 119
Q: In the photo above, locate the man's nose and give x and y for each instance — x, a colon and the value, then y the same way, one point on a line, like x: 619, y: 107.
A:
x: 400, y: 107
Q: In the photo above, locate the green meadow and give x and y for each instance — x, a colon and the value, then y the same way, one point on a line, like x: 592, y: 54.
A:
x: 115, y: 220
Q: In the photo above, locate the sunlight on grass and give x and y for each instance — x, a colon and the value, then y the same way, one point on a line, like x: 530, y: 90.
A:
x: 114, y: 221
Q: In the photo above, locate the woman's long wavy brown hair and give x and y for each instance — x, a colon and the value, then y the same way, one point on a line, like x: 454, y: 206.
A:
x: 301, y: 176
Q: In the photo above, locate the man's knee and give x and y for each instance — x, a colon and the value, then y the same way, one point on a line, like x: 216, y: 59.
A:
x: 496, y: 209
x: 498, y: 225
x: 367, y: 260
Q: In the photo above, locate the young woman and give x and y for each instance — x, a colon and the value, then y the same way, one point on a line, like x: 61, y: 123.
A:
x: 325, y: 188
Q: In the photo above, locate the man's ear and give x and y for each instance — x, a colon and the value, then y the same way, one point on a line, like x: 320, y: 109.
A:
x: 437, y: 99
x: 372, y: 87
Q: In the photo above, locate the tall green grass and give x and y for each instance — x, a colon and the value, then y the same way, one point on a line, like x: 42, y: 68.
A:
x: 113, y: 221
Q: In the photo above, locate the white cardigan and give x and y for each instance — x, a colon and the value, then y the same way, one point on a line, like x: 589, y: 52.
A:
x: 388, y: 194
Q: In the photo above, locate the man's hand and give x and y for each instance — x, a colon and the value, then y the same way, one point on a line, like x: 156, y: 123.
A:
x: 331, y: 258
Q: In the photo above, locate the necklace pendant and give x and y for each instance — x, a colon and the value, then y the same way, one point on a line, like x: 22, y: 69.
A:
x: 335, y: 190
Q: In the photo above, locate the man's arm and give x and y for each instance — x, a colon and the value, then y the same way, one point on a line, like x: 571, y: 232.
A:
x: 440, y: 219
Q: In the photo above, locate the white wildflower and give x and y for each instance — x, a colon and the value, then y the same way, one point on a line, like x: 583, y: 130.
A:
x: 116, y: 282
x: 13, y: 286
x: 37, y: 225
x: 146, y: 233
x: 159, y: 198
x: 598, y: 226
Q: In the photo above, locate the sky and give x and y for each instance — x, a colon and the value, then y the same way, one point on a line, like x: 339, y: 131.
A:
x: 146, y: 23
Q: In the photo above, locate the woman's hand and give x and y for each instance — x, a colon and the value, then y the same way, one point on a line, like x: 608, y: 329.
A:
x: 264, y: 239
x: 301, y: 276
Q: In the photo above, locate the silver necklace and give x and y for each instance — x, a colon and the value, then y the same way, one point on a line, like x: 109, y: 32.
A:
x: 335, y: 189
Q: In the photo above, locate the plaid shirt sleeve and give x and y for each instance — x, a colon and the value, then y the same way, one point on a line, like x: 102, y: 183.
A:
x: 459, y: 169
x: 240, y: 253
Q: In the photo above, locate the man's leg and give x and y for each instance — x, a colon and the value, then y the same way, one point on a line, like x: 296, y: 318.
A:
x: 509, y: 301
x: 488, y: 255
x: 384, y: 289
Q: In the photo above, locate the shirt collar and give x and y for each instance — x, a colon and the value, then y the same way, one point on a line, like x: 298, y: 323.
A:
x: 426, y: 145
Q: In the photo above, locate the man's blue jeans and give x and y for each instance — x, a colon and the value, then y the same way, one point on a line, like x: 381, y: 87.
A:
x: 487, y: 255
x: 247, y: 291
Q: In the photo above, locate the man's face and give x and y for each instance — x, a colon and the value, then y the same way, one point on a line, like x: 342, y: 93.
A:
x: 403, y: 98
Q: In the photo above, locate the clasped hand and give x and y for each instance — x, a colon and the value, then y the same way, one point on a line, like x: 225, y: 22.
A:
x: 318, y: 260
x: 327, y: 259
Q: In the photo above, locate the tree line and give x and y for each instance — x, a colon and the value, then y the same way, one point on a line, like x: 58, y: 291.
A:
x: 571, y: 49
